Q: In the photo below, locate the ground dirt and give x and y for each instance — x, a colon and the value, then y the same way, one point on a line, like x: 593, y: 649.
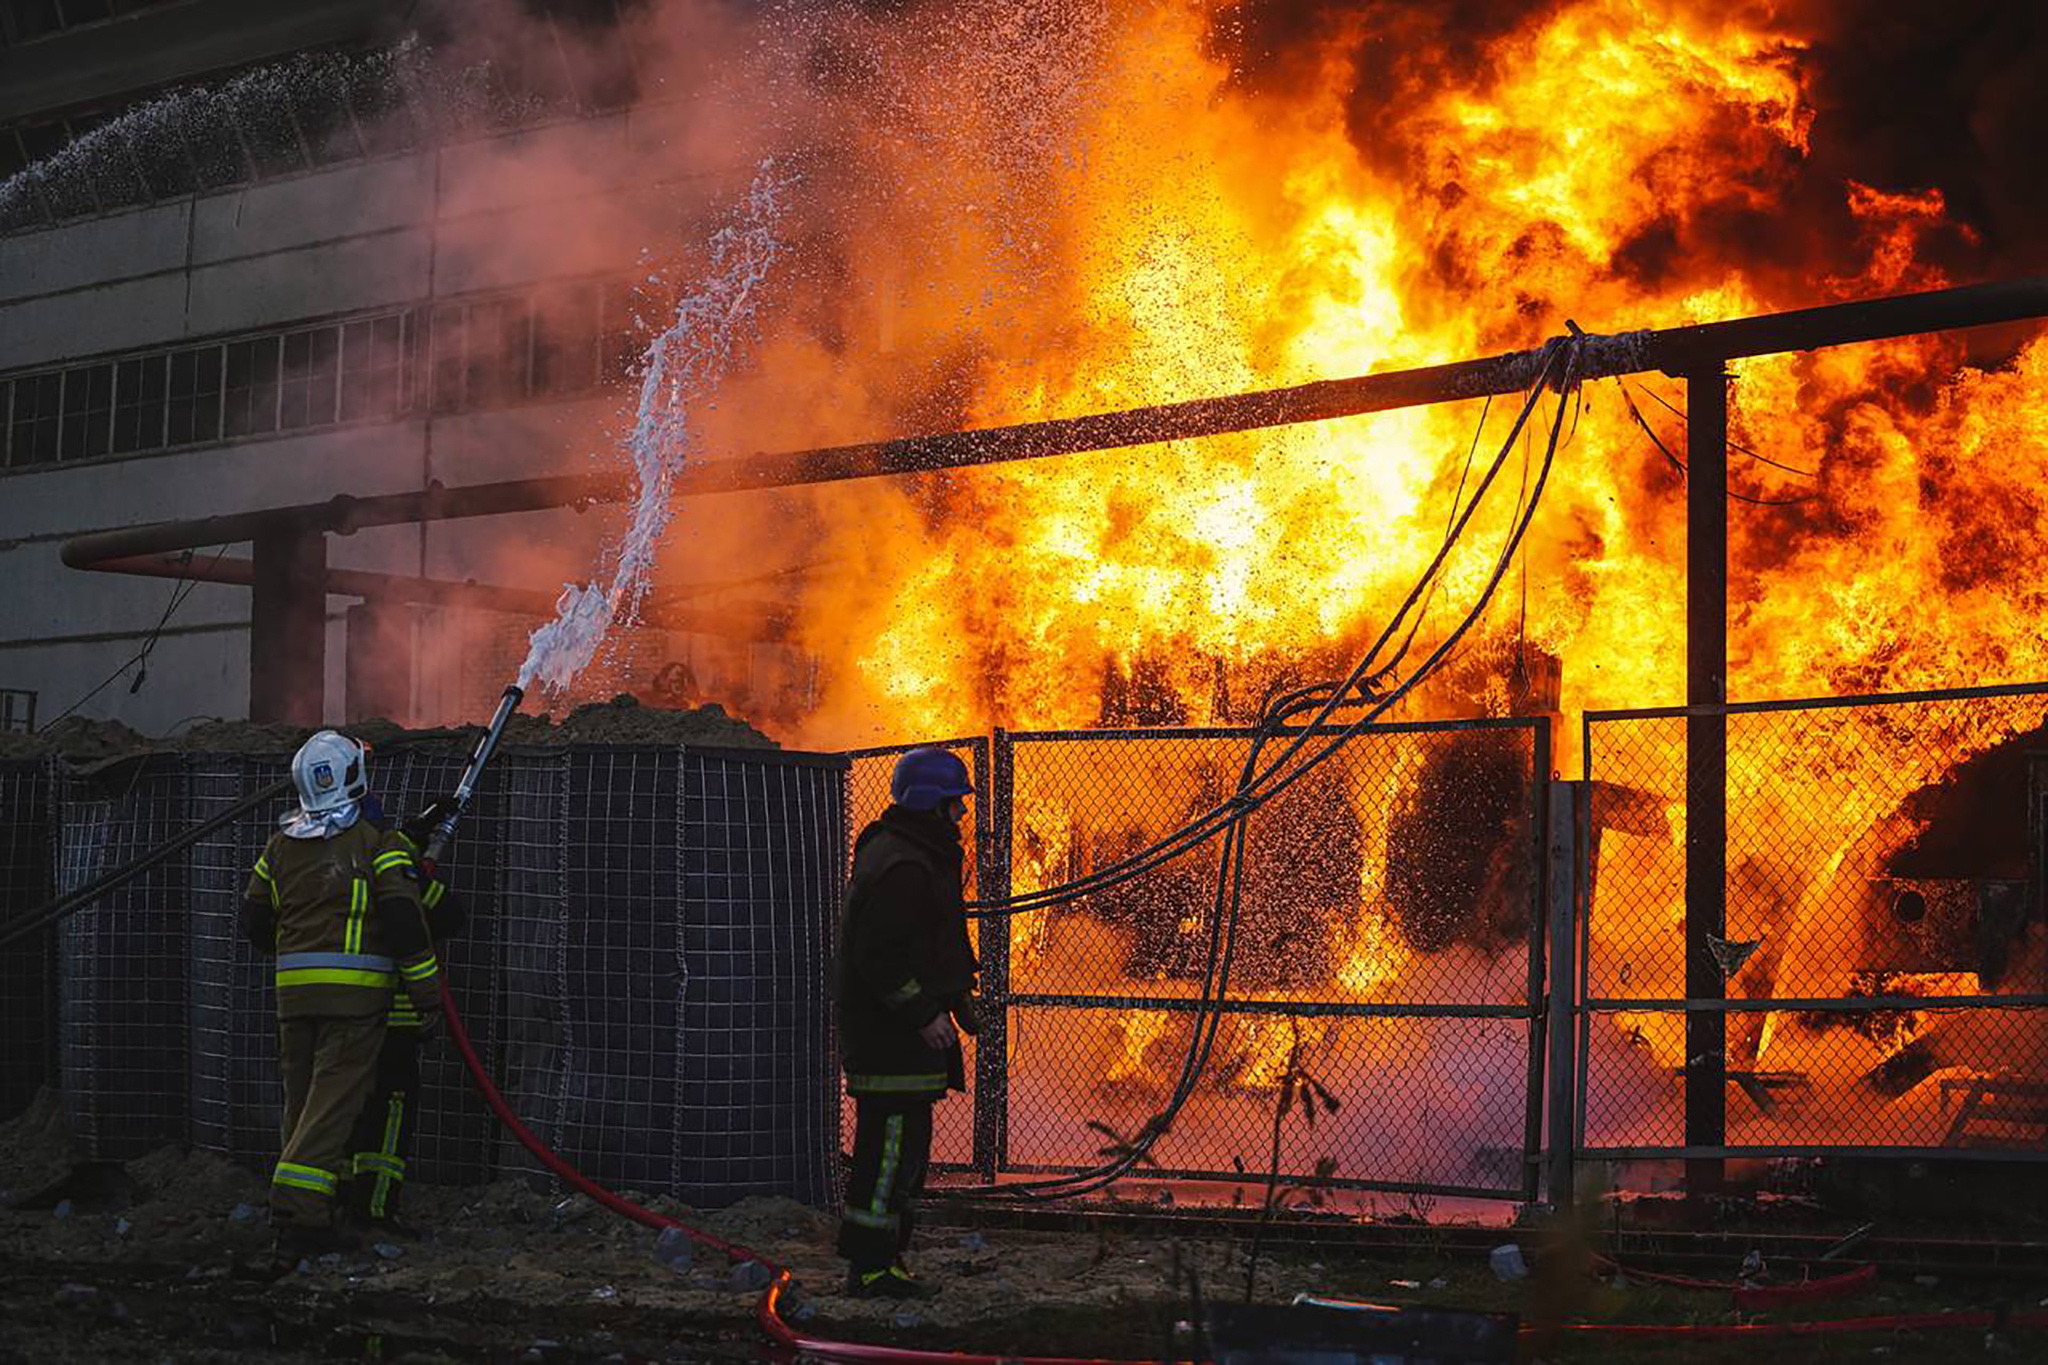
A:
x: 166, y: 1258
x: 622, y: 720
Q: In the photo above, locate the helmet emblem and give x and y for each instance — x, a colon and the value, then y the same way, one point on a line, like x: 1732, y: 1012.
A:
x: 323, y: 775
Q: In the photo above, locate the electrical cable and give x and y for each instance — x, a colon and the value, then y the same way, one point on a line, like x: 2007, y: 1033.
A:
x: 181, y: 589
x: 1199, y: 830
x: 1679, y: 413
x: 1679, y: 464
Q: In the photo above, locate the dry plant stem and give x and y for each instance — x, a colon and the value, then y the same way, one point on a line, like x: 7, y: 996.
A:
x: 1284, y: 1102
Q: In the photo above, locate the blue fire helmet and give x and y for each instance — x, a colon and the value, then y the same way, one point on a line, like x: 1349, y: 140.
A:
x: 925, y: 779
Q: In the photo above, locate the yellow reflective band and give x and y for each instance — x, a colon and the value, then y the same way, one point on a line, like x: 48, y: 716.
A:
x: 263, y: 868
x: 358, y: 906
x: 433, y: 895
x: 394, y: 1117
x: 332, y: 976
x: 892, y: 1156
x: 870, y: 1276
x: 384, y: 862
x: 303, y: 1177
x: 857, y: 1084
x: 420, y: 971
x: 405, y: 839
x: 904, y: 993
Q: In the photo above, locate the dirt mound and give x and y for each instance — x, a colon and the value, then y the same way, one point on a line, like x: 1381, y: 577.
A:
x: 622, y: 720
x: 36, y: 1146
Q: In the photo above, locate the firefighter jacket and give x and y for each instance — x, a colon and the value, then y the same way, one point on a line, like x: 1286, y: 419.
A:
x: 343, y: 916
x: 904, y: 956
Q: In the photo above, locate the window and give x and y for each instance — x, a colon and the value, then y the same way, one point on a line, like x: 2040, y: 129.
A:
x: 307, y: 391
x: 626, y: 333
x: 17, y: 711
x: 373, y: 369
x: 139, y: 403
x: 496, y: 352
x: 565, y: 339
x: 32, y: 428
x: 250, y: 401
x: 88, y: 411
x: 194, y: 412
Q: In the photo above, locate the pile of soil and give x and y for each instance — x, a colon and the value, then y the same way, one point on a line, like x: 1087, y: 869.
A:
x: 622, y: 720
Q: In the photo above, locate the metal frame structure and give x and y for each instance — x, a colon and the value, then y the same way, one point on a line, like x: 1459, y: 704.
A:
x: 994, y: 761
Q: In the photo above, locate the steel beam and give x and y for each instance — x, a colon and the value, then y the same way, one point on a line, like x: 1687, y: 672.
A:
x: 750, y: 620
x: 1706, y: 764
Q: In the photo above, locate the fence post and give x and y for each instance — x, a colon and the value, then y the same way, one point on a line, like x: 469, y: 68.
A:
x: 1561, y: 855
x: 1706, y: 769
x: 992, y: 883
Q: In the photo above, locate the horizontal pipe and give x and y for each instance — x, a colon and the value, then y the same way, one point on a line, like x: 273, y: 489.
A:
x: 752, y: 621
x: 1185, y: 1004
x: 1843, y: 1004
x: 1678, y: 349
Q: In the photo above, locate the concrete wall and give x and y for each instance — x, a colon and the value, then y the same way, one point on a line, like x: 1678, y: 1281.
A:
x: 399, y: 230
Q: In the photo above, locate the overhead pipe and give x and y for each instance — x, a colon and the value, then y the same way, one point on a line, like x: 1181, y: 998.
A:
x: 1680, y: 351
x: 752, y: 620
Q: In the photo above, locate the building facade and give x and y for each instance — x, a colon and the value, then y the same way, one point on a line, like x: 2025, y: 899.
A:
x: 248, y: 259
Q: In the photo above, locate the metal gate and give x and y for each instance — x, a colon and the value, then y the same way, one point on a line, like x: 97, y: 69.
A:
x: 1388, y: 943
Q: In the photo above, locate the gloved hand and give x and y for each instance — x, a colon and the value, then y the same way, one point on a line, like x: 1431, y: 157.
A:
x: 939, y: 1034
x: 967, y: 1014
x: 420, y: 827
x: 431, y: 1030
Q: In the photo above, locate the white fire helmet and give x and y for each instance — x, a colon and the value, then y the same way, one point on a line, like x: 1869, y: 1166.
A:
x: 331, y: 772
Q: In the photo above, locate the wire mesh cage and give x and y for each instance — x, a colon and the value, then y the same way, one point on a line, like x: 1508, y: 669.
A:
x: 123, y: 978
x: 27, y: 968
x: 644, y: 966
x: 1880, y: 949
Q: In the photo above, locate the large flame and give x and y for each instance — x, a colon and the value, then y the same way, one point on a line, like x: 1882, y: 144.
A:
x: 1047, y: 210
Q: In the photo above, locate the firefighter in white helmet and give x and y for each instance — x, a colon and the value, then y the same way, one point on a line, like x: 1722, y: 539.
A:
x: 336, y: 898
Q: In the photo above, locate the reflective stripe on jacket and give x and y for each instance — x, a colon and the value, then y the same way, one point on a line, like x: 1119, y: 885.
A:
x: 347, y: 925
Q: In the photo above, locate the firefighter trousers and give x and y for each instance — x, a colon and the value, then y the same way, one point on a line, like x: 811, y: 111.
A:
x: 382, y: 1141
x: 892, y: 1148
x: 328, y: 1067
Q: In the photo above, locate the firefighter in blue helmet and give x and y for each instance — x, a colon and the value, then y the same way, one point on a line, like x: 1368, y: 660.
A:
x: 905, y: 990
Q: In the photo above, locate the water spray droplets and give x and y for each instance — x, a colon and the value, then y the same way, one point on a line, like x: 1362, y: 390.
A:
x: 683, y: 367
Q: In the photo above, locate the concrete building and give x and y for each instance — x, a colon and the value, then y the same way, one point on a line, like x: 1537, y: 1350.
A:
x: 300, y: 283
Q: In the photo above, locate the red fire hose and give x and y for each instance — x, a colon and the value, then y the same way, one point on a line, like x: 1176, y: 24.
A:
x: 769, y: 1314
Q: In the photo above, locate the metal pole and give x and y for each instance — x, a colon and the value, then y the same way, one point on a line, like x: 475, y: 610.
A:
x: 992, y: 880
x: 1562, y: 903
x: 1706, y: 765
x: 288, y: 628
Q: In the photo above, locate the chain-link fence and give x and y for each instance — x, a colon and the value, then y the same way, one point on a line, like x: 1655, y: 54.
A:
x: 1385, y: 942
x: 1869, y: 968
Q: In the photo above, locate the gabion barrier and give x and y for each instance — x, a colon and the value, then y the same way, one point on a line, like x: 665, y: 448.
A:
x: 1880, y: 981
x: 645, y: 967
x: 28, y: 835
